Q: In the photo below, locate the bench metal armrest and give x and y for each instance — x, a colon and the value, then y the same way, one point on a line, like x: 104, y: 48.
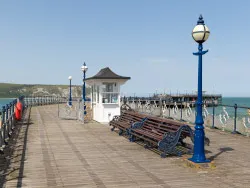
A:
x: 171, y: 139
x: 139, y: 124
x: 115, y: 118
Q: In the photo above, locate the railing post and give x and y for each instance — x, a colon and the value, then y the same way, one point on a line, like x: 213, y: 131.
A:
x: 2, y: 144
x: 181, y: 110
x: 13, y: 114
x: 10, y: 119
x: 26, y: 101
x: 160, y: 106
x: 213, y: 114
x: 6, y: 124
x: 169, y: 107
x: 235, y: 117
x: 58, y: 110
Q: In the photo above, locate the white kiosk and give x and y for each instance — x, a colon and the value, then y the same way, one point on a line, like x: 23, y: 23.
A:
x: 105, y: 94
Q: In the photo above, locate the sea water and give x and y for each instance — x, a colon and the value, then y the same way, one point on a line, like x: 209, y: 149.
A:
x: 4, y: 101
x: 231, y: 101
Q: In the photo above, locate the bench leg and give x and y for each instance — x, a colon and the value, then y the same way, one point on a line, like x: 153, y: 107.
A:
x: 171, y: 151
x: 147, y: 145
x: 127, y: 132
x: 120, y: 132
x: 163, y: 155
x: 178, y: 153
x: 131, y: 138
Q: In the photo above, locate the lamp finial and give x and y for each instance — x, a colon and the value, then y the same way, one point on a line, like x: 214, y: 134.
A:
x: 200, y: 21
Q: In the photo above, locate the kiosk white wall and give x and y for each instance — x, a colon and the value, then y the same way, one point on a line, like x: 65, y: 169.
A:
x: 105, y: 97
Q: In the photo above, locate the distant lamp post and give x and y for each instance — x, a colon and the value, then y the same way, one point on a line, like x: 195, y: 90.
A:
x: 200, y: 34
x: 84, y: 69
x: 70, y: 93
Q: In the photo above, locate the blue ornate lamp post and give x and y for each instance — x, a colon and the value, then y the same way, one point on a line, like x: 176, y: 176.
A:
x: 200, y: 34
x: 84, y: 69
x: 70, y: 93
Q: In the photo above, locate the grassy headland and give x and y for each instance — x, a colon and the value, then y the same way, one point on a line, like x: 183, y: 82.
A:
x: 9, y: 90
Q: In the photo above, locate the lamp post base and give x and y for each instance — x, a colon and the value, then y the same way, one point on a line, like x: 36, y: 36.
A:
x: 199, y: 160
x: 198, y: 166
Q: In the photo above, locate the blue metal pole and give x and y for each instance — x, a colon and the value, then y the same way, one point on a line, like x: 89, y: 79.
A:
x: 84, y: 92
x: 84, y: 86
x: 199, y: 149
x: 70, y: 98
x: 235, y: 117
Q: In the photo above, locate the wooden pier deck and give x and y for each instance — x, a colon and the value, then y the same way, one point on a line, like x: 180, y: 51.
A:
x: 51, y: 152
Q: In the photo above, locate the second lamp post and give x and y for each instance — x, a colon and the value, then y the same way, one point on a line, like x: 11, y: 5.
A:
x: 84, y: 69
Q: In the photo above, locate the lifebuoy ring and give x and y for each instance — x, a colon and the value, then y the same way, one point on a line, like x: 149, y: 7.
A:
x: 18, y: 111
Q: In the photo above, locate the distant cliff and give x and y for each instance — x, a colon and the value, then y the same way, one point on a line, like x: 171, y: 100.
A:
x: 8, y: 90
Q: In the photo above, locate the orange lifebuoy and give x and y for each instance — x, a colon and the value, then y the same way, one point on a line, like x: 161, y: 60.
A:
x: 18, y: 111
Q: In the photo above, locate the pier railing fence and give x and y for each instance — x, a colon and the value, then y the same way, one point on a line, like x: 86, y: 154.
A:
x: 74, y: 111
x: 8, y: 121
x: 65, y: 111
x: 43, y: 100
x: 231, y: 118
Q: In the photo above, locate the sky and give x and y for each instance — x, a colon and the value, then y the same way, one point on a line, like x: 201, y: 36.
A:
x: 45, y: 41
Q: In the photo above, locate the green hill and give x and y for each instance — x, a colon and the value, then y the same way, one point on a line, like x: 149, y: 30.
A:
x: 8, y: 90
